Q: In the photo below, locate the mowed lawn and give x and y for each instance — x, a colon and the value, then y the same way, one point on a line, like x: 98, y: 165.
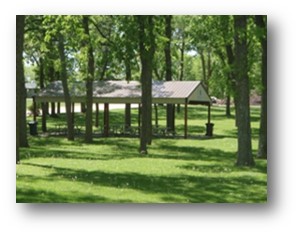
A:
x: 110, y: 170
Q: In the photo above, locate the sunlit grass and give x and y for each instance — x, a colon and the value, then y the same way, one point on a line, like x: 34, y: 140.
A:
x: 176, y: 170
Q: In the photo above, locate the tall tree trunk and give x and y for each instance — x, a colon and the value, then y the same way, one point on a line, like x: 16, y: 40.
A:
x: 52, y: 78
x: 89, y: 83
x: 127, y: 105
x: 167, y: 50
x: 231, y: 78
x: 105, y: 61
x: 181, y: 65
x: 203, y: 63
x: 127, y: 69
x: 43, y: 104
x: 67, y: 98
x: 147, y: 48
x: 21, y: 90
x: 21, y: 128
x: 209, y: 71
x: 244, y: 156
x: 262, y: 151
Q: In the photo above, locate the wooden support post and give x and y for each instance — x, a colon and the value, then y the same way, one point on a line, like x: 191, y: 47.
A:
x: 106, y: 120
x: 209, y: 125
x: 174, y: 116
x: 34, y: 109
x: 58, y: 108
x: 43, y: 117
x: 127, y: 115
x: 185, y: 121
x: 53, y: 109
x: 139, y: 115
x: 209, y: 113
x: 73, y: 112
x: 96, y: 114
x: 156, y: 115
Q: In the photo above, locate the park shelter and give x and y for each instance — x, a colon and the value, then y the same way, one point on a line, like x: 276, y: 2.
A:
x: 31, y: 89
x: 124, y: 92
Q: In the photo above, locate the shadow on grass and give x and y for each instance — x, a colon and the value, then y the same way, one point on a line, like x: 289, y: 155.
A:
x: 58, y: 147
x: 45, y: 196
x: 233, y: 133
x: 214, y: 181
x: 182, y: 188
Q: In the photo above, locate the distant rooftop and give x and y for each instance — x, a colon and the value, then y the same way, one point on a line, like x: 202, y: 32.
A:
x: 31, y: 85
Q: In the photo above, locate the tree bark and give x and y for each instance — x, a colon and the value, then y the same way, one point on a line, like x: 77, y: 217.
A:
x: 21, y: 90
x: 127, y: 105
x: 89, y: 83
x: 182, y: 59
x: 181, y: 65
x: 262, y: 150
x: 231, y: 78
x: 244, y: 155
x: 43, y: 104
x: 67, y: 98
x: 168, y: 58
x: 209, y: 71
x: 127, y: 69
x: 147, y: 48
x: 21, y: 128
x: 105, y: 60
x: 203, y: 65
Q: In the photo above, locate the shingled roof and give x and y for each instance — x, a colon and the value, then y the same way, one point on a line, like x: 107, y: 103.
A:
x: 175, y: 92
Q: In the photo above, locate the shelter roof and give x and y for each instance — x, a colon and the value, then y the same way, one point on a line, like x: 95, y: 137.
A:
x: 129, y: 92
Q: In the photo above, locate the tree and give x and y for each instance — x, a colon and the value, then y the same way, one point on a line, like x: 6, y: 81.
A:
x: 89, y: 81
x: 180, y: 37
x: 67, y: 98
x: 21, y: 130
x: 168, y: 58
x: 147, y: 49
x: 34, y: 45
x: 244, y: 154
x: 261, y: 24
x: 65, y: 32
x: 21, y: 90
x: 125, y: 51
x: 226, y: 29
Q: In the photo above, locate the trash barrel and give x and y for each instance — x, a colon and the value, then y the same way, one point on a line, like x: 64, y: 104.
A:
x: 33, y: 128
x: 209, y: 129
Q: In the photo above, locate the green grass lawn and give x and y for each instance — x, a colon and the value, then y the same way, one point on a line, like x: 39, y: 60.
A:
x: 176, y: 170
